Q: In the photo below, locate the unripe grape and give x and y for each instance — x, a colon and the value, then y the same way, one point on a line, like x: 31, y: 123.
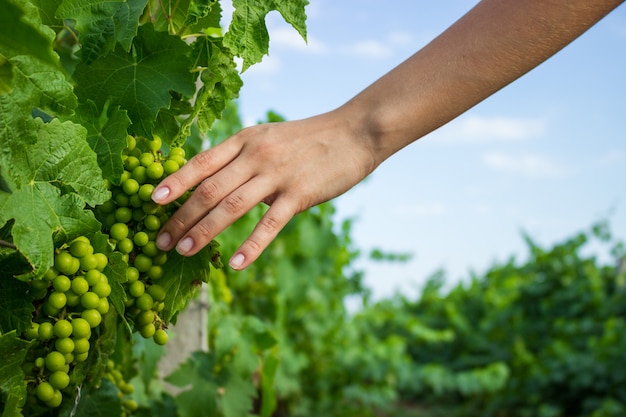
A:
x: 107, y: 207
x: 56, y: 400
x: 154, y: 170
x: 88, y: 262
x: 59, y: 380
x: 81, y: 357
x: 144, y: 302
x: 177, y: 151
x: 73, y: 299
x: 89, y: 300
x: 64, y: 345
x: 155, y: 272
x: 131, y: 163
x: 65, y: 263
x: 119, y: 231
x: 142, y: 262
x: 125, y: 245
x: 33, y: 332
x: 40, y: 362
x: 150, y: 249
x: 103, y: 261
x: 152, y: 222
x: 80, y: 248
x: 45, y: 331
x: 145, y: 317
x: 132, y: 274
x: 170, y: 167
x: 103, y: 306
x: 81, y: 328
x: 55, y: 361
x: 123, y: 215
x: 57, y: 300
x: 146, y: 159
x: 61, y: 283
x: 155, y: 144
x: 136, y: 288
x: 148, y: 330
x: 141, y: 238
x: 80, y: 285
x: 126, y: 175
x: 160, y: 337
x: 62, y: 328
x: 157, y: 292
x: 130, y: 142
x: 93, y: 317
x: 81, y: 346
x: 122, y: 200
x: 50, y: 274
x: 44, y: 391
x: 93, y: 277
x: 102, y: 289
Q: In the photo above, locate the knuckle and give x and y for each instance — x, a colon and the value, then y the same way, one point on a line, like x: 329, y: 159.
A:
x: 203, y: 231
x: 253, y: 245
x: 207, y: 191
x: 203, y: 161
x: 269, y: 224
x: 178, y: 223
x: 234, y: 204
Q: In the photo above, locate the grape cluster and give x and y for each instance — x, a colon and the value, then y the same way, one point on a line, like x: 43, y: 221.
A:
x: 114, y: 374
x: 132, y: 221
x: 72, y: 297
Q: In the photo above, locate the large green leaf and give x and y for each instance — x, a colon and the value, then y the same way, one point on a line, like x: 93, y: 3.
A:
x: 139, y: 81
x: 247, y: 34
x: 102, y: 23
x: 16, y: 305
x: 12, y: 385
x: 42, y: 203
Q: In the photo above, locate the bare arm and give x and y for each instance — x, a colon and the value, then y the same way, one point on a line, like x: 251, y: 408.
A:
x: 295, y: 165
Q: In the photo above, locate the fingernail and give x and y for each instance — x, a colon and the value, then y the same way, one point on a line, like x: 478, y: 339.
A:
x: 163, y: 241
x: 237, y: 261
x: 184, y: 245
x: 160, y: 193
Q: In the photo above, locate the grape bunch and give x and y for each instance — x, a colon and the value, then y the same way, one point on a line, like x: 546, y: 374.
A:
x: 114, y: 374
x: 132, y: 221
x: 71, y: 299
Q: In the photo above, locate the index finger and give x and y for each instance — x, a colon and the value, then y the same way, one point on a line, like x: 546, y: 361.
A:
x: 196, y: 170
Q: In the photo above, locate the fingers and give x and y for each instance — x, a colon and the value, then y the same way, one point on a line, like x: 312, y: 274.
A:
x: 194, y: 171
x: 263, y: 234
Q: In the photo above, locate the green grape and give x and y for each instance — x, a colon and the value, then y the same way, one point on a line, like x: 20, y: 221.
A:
x: 65, y: 263
x: 81, y: 357
x: 155, y: 144
x: 93, y: 277
x: 148, y: 330
x: 45, y: 331
x: 145, y: 192
x: 141, y: 238
x: 93, y: 317
x: 146, y: 159
x: 107, y: 207
x: 130, y: 142
x: 61, y: 283
x: 59, y: 380
x: 136, y: 288
x: 150, y: 249
x: 138, y: 214
x: 125, y: 245
x: 89, y: 300
x: 123, y: 215
x: 64, y: 346
x: 69, y: 357
x: 126, y: 175
x: 57, y: 300
x: 73, y: 299
x: 179, y: 152
x: 131, y: 405
x: 44, y: 391
x: 102, y: 289
x: 155, y: 272
x: 80, y: 285
x: 140, y: 174
x: 40, y: 362
x: 62, y: 328
x: 178, y: 159
x: 144, y: 302
x: 88, y: 262
x: 131, y: 163
x: 55, y: 361
x: 142, y: 262
x: 119, y: 231
x: 154, y: 170
x: 160, y: 258
x: 152, y: 222
x: 50, y: 274
x: 150, y: 207
x: 81, y: 345
x: 145, y: 317
x: 157, y: 292
x: 135, y: 200
x: 103, y: 261
x: 81, y: 328
x: 109, y: 220
x: 170, y: 167
x: 80, y: 247
x: 103, y: 306
x: 160, y: 337
x: 132, y: 274
x: 56, y: 399
x: 51, y: 310
x: 33, y: 332
x: 122, y: 200
x: 130, y: 186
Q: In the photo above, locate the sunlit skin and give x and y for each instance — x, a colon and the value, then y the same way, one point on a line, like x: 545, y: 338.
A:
x: 295, y: 165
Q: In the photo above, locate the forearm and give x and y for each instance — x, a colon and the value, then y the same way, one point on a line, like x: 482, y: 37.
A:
x: 495, y: 43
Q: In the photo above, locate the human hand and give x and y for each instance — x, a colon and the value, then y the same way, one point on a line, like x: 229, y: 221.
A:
x: 291, y: 166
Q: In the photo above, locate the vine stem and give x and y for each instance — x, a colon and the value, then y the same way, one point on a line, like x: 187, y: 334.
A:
x: 4, y: 243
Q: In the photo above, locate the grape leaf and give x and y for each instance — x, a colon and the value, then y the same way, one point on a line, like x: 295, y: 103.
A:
x: 21, y: 33
x: 197, y: 373
x: 61, y: 159
x: 106, y: 134
x: 16, y: 305
x: 12, y: 385
x: 139, y: 82
x: 99, y: 402
x: 101, y: 24
x: 182, y: 277
x: 183, y: 16
x: 247, y: 34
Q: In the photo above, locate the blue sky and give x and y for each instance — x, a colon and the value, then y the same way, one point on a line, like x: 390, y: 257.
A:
x: 546, y: 155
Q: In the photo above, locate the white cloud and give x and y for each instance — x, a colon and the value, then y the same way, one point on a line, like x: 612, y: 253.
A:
x: 473, y: 129
x: 379, y: 49
x: 529, y: 165
x: 289, y: 38
x: 269, y: 66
